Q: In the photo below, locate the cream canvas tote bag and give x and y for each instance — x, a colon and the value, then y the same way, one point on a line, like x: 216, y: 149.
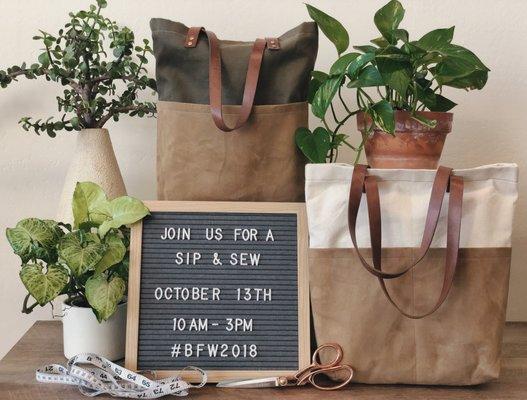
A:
x: 446, y: 321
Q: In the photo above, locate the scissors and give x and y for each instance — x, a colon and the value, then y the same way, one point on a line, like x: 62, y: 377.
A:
x: 302, y: 377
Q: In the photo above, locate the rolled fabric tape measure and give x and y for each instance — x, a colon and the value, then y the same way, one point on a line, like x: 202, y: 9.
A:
x: 108, y: 377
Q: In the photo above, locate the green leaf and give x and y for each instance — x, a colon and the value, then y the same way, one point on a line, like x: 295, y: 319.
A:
x: 33, y: 238
x: 431, y: 123
x: 88, y: 203
x: 388, y: 18
x: 368, y: 77
x: 384, y: 116
x: 402, y: 34
x: 104, y: 295
x: 48, y: 41
x: 436, y: 39
x: 319, y: 76
x: 366, y: 48
x: 115, y: 251
x: 380, y: 41
x: 317, y: 79
x: 395, y: 69
x: 121, y: 269
x: 332, y: 28
x: 44, y: 287
x: 324, y: 96
x: 44, y: 59
x: 460, y: 68
x: 433, y: 101
x: 74, y: 121
x: 312, y: 90
x: 397, y: 79
x: 81, y: 255
x: 123, y: 210
x: 474, y: 80
x: 392, y: 53
x: 463, y: 56
x: 358, y: 63
x: 418, y: 55
x: 55, y: 227
x: 339, y: 67
x: 315, y: 145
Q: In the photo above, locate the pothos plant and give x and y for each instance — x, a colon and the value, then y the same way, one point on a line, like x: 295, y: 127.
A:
x: 392, y: 73
x: 99, y: 65
x: 87, y: 262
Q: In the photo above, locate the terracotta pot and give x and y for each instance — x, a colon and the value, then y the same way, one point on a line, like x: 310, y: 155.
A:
x: 414, y: 145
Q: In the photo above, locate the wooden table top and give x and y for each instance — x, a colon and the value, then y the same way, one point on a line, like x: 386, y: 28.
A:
x: 42, y: 344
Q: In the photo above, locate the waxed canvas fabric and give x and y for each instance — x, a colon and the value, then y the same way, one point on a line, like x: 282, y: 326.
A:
x: 460, y: 343
x: 257, y: 162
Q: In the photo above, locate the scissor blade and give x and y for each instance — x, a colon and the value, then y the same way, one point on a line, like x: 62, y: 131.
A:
x: 249, y: 383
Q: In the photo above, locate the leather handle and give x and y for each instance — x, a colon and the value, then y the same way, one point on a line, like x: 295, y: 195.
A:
x: 215, y: 81
x: 452, y: 247
x: 361, y: 181
x: 369, y: 183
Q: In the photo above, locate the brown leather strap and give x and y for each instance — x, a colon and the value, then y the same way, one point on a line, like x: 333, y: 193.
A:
x: 215, y: 82
x: 453, y: 234
x: 358, y: 181
x: 452, y: 247
x: 192, y: 36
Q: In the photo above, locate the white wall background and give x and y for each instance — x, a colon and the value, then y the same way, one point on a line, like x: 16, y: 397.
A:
x: 489, y: 125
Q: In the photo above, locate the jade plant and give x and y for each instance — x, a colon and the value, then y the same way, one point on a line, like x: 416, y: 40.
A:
x: 100, y: 66
x: 391, y: 73
x: 88, y: 263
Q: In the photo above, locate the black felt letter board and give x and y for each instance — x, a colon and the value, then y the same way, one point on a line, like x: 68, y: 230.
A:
x: 241, y: 314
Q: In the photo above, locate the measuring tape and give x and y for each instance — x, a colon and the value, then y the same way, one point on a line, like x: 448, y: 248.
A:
x: 113, y: 379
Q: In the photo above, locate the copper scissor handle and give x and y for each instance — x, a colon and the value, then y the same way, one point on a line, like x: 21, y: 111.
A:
x: 317, y: 367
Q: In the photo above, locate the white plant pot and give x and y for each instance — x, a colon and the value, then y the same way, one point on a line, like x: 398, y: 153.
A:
x: 93, y: 161
x: 84, y: 334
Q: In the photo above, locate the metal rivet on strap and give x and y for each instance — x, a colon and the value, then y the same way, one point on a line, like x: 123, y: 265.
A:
x: 191, y: 38
x: 189, y: 43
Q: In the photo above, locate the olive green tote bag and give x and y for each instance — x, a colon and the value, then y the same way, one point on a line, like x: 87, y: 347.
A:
x: 228, y: 111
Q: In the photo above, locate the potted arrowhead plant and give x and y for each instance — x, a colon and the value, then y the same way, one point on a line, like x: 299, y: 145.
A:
x: 87, y: 264
x: 102, y: 71
x: 398, y: 84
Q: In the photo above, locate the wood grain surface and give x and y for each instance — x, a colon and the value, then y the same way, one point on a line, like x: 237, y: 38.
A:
x: 42, y: 344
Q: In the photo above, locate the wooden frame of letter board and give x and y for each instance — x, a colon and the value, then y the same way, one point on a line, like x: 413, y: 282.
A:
x: 134, y: 283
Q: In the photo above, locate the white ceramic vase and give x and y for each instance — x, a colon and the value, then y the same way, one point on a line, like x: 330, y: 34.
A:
x: 94, y: 161
x: 84, y: 334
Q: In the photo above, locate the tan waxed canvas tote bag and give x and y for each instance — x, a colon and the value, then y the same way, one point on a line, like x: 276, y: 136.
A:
x: 367, y: 230
x: 228, y: 111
